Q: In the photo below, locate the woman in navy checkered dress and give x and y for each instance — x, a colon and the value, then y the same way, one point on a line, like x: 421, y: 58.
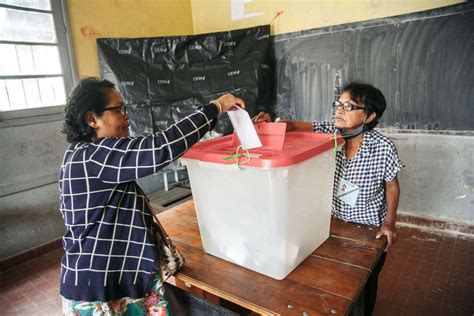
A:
x: 111, y: 264
x: 366, y: 188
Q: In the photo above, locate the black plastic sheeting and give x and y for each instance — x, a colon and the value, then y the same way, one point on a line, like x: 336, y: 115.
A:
x: 163, y: 79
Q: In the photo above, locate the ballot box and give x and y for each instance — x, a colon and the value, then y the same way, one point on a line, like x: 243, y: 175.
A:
x: 269, y: 208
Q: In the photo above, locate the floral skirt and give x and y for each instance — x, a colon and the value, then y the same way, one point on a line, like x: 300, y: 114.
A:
x: 153, y: 303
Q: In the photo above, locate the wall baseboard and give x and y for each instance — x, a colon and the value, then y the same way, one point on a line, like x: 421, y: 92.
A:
x: 436, y: 224
x: 15, y: 260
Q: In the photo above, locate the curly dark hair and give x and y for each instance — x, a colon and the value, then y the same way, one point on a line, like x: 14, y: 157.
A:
x: 90, y: 94
x: 369, y: 96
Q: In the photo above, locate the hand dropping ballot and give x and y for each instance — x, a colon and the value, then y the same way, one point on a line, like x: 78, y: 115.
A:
x: 244, y: 128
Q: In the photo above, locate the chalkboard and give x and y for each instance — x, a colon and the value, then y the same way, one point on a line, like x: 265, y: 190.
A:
x: 423, y: 63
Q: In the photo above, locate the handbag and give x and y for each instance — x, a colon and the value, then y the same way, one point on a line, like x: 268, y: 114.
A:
x: 171, y: 260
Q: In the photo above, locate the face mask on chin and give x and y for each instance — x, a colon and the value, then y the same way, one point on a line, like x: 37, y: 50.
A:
x: 348, y: 135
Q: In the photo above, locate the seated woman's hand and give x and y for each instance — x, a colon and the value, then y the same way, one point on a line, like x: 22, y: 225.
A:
x: 262, y: 117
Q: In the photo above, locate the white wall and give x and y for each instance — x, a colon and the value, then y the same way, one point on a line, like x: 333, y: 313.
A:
x: 438, y: 180
x: 30, y: 157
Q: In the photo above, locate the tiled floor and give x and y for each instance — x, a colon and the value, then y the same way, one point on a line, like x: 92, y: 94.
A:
x: 425, y: 274
x: 32, y: 288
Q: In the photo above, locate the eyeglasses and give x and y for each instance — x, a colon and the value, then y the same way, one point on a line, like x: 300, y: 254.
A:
x: 347, y: 106
x: 121, y: 108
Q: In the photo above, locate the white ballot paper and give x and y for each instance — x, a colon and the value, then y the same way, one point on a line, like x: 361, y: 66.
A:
x: 244, y: 128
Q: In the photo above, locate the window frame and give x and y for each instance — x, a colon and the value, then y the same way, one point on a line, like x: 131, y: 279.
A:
x: 19, y: 117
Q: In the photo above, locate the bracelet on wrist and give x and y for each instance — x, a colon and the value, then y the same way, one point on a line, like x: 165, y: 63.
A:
x: 218, y: 105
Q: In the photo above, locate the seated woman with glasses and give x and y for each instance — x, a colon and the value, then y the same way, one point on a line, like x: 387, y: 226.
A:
x: 366, y: 188
x: 114, y: 259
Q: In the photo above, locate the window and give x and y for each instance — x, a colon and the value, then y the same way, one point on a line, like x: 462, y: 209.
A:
x: 36, y: 65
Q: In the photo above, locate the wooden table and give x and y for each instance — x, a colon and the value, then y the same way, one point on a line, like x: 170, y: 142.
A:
x: 329, y: 281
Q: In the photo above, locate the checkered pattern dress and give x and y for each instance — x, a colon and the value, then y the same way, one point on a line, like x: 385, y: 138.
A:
x: 375, y: 163
x: 110, y: 249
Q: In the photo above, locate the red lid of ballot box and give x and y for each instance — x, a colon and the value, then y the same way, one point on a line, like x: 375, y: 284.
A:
x: 279, y: 148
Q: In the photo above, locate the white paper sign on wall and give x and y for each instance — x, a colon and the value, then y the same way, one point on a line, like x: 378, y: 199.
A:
x: 237, y: 9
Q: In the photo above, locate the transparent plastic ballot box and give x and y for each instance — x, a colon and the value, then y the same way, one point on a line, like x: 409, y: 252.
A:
x: 269, y: 208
